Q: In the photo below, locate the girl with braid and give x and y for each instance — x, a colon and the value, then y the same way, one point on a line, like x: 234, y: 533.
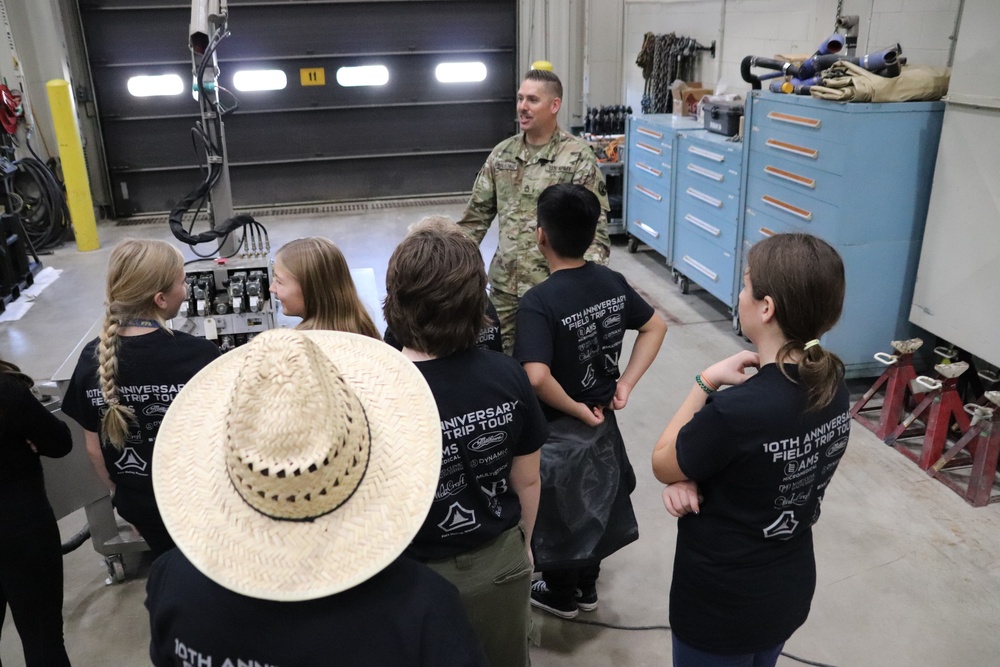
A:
x: 127, y: 377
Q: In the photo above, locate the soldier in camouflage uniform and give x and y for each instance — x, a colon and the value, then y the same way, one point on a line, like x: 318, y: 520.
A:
x: 507, y: 188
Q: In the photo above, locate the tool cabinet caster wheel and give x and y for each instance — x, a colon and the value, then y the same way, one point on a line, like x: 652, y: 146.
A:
x: 116, y: 569
x: 684, y: 284
x: 737, y: 327
x: 633, y: 245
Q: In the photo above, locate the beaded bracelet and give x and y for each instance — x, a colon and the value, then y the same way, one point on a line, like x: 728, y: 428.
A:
x: 703, y: 384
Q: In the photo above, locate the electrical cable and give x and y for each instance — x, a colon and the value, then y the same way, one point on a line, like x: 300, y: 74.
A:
x: 44, y: 212
x: 76, y: 540
x: 633, y: 628
x: 212, y: 170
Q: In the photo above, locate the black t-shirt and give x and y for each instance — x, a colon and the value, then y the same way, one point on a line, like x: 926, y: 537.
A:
x: 744, y: 571
x: 489, y: 337
x: 23, y: 418
x: 404, y: 615
x: 574, y: 322
x: 489, y: 414
x: 152, y: 369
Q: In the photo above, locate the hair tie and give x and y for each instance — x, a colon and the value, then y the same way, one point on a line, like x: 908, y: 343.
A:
x: 814, y: 341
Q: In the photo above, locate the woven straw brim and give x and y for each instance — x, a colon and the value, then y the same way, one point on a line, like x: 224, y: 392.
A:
x: 249, y: 553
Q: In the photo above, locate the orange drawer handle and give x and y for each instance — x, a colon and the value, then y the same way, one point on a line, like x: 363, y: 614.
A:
x: 794, y: 120
x: 649, y: 193
x: 647, y: 147
x: 649, y: 133
x: 787, y: 208
x: 649, y: 170
x: 792, y: 148
x: 766, y: 232
x: 790, y: 176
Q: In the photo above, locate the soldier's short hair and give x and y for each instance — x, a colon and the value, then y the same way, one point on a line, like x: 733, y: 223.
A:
x: 552, y: 82
x: 568, y: 214
x: 436, y: 291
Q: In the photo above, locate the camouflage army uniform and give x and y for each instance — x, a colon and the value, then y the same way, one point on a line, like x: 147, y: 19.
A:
x: 507, y: 187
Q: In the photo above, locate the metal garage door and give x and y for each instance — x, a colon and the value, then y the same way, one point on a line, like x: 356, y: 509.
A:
x: 315, y: 140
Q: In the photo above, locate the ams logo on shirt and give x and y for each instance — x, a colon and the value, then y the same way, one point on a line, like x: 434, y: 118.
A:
x: 131, y: 462
x: 457, y: 519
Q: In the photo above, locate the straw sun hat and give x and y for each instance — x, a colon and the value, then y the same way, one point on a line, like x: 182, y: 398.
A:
x: 299, y: 465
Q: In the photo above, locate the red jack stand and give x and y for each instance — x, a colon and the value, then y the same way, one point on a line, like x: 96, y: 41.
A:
x: 983, y: 443
x: 898, y: 390
x: 943, y: 404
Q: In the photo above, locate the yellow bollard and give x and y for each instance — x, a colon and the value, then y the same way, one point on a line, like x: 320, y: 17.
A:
x: 74, y: 168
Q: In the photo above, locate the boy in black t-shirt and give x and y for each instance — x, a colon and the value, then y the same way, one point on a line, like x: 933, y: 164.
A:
x: 478, y: 530
x: 570, y: 330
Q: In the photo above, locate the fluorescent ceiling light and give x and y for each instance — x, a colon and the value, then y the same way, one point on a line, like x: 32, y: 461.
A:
x: 150, y: 86
x: 460, y: 72
x: 260, y: 79
x: 367, y: 75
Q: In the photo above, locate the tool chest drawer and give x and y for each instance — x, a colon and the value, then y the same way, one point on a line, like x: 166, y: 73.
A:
x: 689, y: 220
x: 807, y: 152
x: 706, y: 264
x: 649, y: 222
x: 808, y: 214
x: 710, y: 199
x: 807, y: 179
x: 818, y: 121
x: 710, y: 158
x: 651, y: 171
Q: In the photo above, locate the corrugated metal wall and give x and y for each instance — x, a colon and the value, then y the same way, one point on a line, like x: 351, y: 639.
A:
x: 315, y: 143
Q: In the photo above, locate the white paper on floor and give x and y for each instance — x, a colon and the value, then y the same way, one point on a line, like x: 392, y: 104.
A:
x: 17, y: 308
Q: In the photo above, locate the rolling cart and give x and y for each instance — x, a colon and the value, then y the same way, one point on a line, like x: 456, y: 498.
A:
x: 72, y: 484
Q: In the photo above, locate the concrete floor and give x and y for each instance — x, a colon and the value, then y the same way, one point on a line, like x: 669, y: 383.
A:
x: 909, y: 574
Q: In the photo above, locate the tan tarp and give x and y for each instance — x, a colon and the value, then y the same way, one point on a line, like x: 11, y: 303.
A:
x: 847, y: 82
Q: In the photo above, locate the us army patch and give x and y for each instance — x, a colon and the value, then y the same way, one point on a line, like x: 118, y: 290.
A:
x: 560, y: 169
x: 506, y: 165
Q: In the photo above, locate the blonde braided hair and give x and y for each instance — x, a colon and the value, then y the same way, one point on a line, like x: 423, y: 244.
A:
x: 138, y: 270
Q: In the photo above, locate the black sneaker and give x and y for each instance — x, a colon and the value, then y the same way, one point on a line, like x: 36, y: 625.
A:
x: 587, y: 602
x: 544, y: 599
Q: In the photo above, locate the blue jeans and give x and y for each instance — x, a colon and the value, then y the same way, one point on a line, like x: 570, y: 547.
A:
x: 688, y: 656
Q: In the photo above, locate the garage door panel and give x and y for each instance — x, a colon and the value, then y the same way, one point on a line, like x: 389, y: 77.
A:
x: 411, y: 81
x: 157, y: 143
x: 137, y: 35
x: 348, y: 180
x: 158, y: 32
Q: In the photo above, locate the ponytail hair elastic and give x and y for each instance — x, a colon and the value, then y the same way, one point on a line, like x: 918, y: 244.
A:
x: 813, y: 342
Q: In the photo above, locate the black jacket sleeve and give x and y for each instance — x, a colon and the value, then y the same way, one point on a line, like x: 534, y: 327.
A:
x: 34, y: 422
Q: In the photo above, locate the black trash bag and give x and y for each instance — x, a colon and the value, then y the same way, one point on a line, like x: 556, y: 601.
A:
x: 584, y: 512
